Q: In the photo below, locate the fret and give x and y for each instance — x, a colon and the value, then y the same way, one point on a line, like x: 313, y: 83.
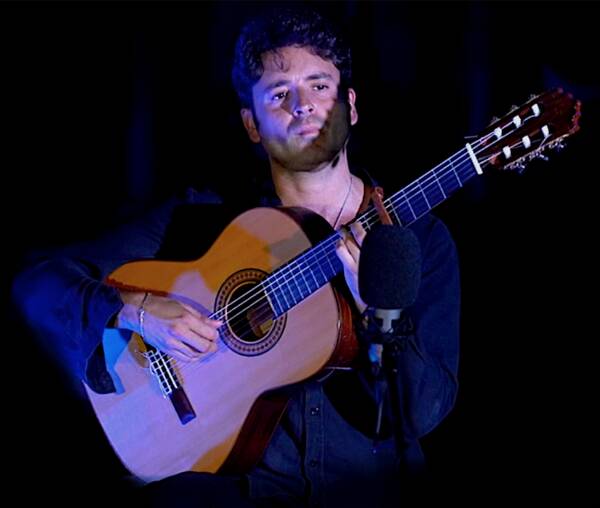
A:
x: 312, y: 273
x: 286, y: 283
x: 431, y: 189
x: 423, y: 192
x: 417, y: 202
x: 465, y: 171
x: 279, y: 293
x: 410, y: 208
x: 273, y: 299
x: 452, y: 175
x: 437, y: 180
x: 407, y: 214
x: 282, y: 292
x: 323, y: 278
x: 307, y: 288
x: 331, y: 266
x: 450, y: 181
x: 292, y: 284
x: 398, y: 221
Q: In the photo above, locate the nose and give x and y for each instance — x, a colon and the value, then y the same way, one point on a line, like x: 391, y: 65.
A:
x: 302, y: 107
x: 302, y: 110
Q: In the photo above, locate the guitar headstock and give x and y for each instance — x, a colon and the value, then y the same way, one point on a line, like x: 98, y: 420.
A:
x: 542, y: 123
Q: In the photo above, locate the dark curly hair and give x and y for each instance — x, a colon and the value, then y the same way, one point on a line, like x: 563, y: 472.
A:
x: 281, y: 27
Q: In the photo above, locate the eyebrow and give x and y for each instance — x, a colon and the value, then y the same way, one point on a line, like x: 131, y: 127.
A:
x: 310, y: 77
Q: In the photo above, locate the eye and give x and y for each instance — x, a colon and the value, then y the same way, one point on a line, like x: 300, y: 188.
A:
x: 279, y: 96
x: 320, y: 87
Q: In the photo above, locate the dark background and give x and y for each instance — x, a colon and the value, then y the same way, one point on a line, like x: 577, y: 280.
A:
x: 111, y: 107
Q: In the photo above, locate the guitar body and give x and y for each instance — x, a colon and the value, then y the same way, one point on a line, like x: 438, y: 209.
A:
x: 223, y: 390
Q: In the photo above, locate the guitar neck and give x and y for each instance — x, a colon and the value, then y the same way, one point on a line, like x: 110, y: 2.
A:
x: 303, y: 275
x: 427, y: 191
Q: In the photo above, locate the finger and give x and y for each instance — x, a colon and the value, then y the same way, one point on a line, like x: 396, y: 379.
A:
x: 345, y: 257
x: 201, y: 342
x: 215, y: 323
x: 353, y: 248
x: 176, y: 348
x: 195, y: 346
x: 196, y: 343
x: 174, y: 353
x: 187, y: 341
x: 203, y: 327
x: 358, y: 232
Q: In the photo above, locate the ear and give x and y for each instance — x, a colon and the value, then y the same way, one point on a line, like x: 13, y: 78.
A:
x: 352, y: 104
x: 250, y: 125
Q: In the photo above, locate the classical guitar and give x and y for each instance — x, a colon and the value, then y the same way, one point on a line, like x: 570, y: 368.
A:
x: 268, y: 276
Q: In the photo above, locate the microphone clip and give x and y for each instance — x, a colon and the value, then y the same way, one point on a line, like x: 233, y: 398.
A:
x: 391, y: 334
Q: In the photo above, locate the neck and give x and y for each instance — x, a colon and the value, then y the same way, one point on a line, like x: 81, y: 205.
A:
x: 323, y: 190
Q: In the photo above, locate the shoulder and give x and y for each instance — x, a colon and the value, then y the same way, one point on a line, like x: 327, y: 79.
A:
x: 433, y: 234
x: 429, y: 227
x: 205, y: 196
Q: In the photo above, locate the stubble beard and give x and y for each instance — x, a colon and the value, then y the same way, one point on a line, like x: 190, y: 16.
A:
x: 315, y: 154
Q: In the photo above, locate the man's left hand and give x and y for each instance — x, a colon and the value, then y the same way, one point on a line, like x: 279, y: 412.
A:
x: 348, y: 250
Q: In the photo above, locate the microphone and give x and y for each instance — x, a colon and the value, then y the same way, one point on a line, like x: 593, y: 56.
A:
x: 389, y: 276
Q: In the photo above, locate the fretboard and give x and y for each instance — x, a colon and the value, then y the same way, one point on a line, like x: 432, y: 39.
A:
x: 306, y: 273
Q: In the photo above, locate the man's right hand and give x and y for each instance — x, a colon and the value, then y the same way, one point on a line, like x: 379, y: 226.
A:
x: 169, y: 325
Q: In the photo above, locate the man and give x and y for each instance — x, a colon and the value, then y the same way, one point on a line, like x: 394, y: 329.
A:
x: 292, y: 73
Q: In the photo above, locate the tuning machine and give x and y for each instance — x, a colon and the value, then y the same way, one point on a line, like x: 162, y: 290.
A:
x: 519, y: 166
x: 494, y: 120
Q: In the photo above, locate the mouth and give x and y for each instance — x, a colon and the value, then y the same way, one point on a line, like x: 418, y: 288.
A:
x: 308, y: 131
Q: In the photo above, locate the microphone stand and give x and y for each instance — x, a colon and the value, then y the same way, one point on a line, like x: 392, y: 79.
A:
x: 386, y: 333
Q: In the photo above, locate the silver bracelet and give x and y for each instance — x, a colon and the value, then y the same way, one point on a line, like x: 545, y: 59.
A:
x: 141, y: 313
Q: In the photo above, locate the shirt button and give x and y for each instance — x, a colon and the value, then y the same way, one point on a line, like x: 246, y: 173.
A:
x: 313, y: 463
x: 314, y: 411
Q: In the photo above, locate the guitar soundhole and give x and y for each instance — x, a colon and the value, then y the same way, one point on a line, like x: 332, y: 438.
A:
x: 253, y: 323
x: 251, y: 327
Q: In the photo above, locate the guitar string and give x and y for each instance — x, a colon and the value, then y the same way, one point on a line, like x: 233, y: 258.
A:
x: 395, y: 197
x: 303, y: 266
x: 281, y: 273
x: 403, y: 196
x: 400, y: 195
x: 324, y: 244
x: 268, y: 313
x: 259, y: 291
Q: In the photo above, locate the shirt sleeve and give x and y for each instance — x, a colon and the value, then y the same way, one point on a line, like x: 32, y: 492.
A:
x: 427, y: 365
x: 62, y: 297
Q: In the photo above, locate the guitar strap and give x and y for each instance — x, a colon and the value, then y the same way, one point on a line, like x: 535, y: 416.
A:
x: 374, y: 194
x: 377, y: 199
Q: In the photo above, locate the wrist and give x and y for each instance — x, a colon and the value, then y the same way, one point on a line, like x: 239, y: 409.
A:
x: 128, y: 316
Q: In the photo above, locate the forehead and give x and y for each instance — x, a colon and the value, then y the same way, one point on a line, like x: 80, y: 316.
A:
x: 295, y: 63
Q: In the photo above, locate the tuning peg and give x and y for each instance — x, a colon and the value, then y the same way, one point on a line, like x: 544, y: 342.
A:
x: 518, y: 166
x: 513, y: 108
x: 532, y: 96
x: 541, y: 156
x: 559, y: 146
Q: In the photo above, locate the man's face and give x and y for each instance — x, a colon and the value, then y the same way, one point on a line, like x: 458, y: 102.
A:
x: 299, y: 119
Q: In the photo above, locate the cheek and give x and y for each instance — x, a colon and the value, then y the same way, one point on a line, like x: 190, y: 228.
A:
x: 272, y: 123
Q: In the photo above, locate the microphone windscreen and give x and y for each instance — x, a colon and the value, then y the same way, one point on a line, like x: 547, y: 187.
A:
x: 389, y: 272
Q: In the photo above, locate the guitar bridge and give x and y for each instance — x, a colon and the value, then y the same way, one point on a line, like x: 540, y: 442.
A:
x: 170, y: 386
